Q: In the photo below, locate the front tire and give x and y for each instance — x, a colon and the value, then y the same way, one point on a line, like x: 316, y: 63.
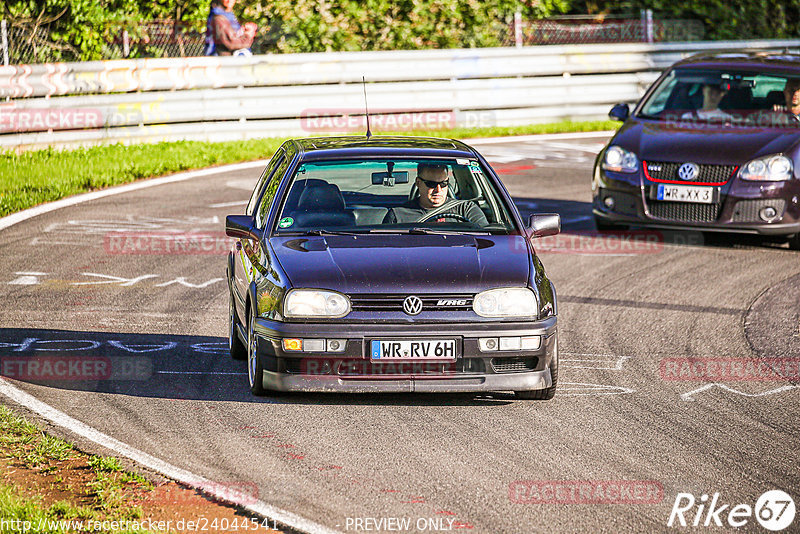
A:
x: 547, y: 393
x: 255, y: 368
x: 235, y: 346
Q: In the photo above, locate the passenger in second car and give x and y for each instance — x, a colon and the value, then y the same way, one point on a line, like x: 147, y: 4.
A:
x: 433, y: 182
x: 712, y: 95
x: 791, y: 91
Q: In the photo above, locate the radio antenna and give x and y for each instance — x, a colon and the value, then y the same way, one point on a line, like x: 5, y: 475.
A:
x: 366, y: 105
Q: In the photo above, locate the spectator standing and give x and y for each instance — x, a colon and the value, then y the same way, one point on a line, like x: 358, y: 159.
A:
x: 224, y: 35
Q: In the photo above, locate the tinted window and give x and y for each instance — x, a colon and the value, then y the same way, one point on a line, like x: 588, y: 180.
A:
x: 384, y: 195
x: 269, y: 171
x: 727, y: 97
x: 269, y: 192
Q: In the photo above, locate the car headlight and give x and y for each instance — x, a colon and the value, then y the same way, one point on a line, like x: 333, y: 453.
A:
x: 620, y: 160
x: 315, y: 303
x: 772, y: 168
x: 507, y: 302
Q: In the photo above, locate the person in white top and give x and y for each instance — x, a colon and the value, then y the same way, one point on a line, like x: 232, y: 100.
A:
x: 712, y: 94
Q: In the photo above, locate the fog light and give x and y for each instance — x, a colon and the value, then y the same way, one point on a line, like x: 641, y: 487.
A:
x: 609, y: 202
x: 314, y: 345
x: 768, y: 214
x: 487, y: 344
x: 510, y: 343
x: 292, y: 344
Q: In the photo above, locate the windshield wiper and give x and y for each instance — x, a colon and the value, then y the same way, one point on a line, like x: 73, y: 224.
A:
x: 423, y: 230
x: 326, y: 232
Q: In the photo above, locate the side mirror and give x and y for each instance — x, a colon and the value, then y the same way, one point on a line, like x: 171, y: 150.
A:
x: 620, y: 112
x: 544, y: 224
x: 241, y: 227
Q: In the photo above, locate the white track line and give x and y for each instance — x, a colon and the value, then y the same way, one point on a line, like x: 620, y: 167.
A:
x: 142, y: 458
x: 24, y: 215
x: 59, y: 418
x: 541, y: 137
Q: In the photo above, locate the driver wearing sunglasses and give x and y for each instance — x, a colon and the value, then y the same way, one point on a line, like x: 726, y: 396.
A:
x: 433, y: 182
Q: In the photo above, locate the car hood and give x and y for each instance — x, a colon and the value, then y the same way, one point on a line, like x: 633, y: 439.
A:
x: 404, y: 263
x: 714, y: 145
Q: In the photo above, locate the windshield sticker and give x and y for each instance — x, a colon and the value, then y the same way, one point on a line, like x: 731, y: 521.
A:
x: 286, y: 222
x: 475, y: 171
x: 462, y: 161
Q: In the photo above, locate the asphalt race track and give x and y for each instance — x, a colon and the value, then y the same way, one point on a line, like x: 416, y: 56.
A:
x: 125, y: 291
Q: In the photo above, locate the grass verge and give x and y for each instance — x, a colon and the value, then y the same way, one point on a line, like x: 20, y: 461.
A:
x: 31, y: 178
x: 46, y: 485
x: 71, y: 487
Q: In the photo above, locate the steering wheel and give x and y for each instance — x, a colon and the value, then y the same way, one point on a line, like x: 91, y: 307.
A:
x: 446, y: 215
x: 446, y: 211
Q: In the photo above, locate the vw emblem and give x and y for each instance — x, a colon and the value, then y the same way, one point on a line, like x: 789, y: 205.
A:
x: 688, y: 171
x: 412, y: 305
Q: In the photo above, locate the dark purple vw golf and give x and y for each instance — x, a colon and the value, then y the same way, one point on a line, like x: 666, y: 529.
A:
x: 389, y: 264
x: 714, y: 145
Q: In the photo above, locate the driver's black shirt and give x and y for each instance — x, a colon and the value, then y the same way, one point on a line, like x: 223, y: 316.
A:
x: 411, y: 211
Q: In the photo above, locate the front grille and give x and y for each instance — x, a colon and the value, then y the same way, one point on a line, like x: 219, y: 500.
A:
x: 668, y: 170
x: 747, y: 210
x: 684, y: 211
x: 394, y: 303
x: 510, y: 365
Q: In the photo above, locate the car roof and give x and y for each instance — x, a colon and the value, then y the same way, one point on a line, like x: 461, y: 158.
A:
x: 786, y: 61
x: 322, y: 148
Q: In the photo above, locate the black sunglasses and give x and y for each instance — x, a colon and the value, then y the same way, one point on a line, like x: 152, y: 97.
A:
x: 431, y: 184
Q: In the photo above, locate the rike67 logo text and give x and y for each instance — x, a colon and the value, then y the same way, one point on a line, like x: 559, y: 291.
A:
x: 774, y: 510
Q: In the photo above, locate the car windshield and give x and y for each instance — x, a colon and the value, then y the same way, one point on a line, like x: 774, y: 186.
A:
x: 725, y: 97
x: 393, y: 196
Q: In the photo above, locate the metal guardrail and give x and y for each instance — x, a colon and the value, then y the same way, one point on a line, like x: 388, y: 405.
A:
x: 149, y: 100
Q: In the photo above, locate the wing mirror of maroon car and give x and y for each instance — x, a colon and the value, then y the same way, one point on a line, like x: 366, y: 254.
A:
x: 619, y: 112
x: 241, y: 227
x: 544, y: 224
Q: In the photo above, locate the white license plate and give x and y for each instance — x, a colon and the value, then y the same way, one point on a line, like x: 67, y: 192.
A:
x: 685, y: 193
x: 418, y: 349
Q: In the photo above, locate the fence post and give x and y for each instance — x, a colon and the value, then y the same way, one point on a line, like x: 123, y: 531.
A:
x: 649, y: 25
x: 518, y: 29
x: 4, y: 32
x: 126, y: 44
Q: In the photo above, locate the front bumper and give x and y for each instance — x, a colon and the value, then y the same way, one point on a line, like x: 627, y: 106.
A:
x: 736, y: 212
x: 353, y: 371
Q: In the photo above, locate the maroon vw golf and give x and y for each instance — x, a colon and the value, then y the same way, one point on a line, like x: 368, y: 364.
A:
x: 389, y: 264
x: 713, y: 145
